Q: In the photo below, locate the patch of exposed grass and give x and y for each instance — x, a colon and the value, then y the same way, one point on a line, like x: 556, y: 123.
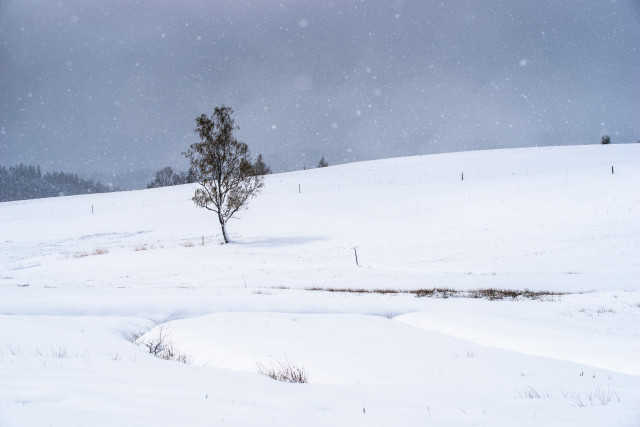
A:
x: 498, y: 294
x: 435, y: 293
x: 488, y: 293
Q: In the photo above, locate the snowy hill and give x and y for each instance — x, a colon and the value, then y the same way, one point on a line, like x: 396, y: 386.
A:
x: 80, y: 274
x: 544, y: 218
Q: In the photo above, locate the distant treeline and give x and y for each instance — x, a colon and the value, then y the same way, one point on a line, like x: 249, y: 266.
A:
x: 28, y: 182
x: 166, y: 177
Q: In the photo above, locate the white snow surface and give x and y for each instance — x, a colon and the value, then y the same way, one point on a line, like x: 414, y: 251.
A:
x: 81, y: 275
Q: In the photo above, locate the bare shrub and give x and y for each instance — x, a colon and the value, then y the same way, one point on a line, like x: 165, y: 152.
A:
x: 135, y: 336
x: 287, y: 372
x: 188, y: 244
x: 159, y: 344
x: 156, y: 343
x: 141, y: 248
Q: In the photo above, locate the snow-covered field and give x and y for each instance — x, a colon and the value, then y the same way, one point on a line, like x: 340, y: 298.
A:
x: 80, y: 276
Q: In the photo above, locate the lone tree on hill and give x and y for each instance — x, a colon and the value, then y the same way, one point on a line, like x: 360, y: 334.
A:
x: 322, y: 163
x: 260, y: 167
x: 222, y: 166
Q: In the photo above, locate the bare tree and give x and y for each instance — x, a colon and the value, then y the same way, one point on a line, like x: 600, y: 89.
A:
x: 222, y: 166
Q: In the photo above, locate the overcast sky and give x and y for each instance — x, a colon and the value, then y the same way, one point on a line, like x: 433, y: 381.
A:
x: 113, y: 85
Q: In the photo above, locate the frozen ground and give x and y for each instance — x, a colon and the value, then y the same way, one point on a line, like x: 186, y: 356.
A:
x: 76, y: 285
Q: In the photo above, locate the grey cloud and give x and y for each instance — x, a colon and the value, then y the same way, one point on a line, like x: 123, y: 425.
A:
x: 112, y: 86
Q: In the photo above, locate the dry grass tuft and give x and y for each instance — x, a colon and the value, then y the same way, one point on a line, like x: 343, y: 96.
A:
x: 599, y: 397
x: 287, y: 372
x: 531, y: 393
x: 97, y: 251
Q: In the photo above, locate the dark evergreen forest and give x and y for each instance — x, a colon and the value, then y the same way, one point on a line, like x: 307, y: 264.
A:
x: 28, y: 182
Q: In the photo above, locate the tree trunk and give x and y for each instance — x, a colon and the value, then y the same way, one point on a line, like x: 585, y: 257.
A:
x: 223, y: 225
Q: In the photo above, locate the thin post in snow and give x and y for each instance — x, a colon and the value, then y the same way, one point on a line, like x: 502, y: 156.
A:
x: 202, y: 240
x: 299, y: 190
x: 462, y: 176
x: 91, y: 209
x: 611, y: 170
x: 356, y: 254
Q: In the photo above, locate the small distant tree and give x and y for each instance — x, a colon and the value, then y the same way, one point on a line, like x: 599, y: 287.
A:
x: 222, y: 166
x: 322, y: 163
x: 164, y: 178
x: 260, y: 167
x: 605, y: 140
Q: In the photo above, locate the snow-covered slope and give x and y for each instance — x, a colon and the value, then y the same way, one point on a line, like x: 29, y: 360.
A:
x: 543, y: 218
x: 78, y: 275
